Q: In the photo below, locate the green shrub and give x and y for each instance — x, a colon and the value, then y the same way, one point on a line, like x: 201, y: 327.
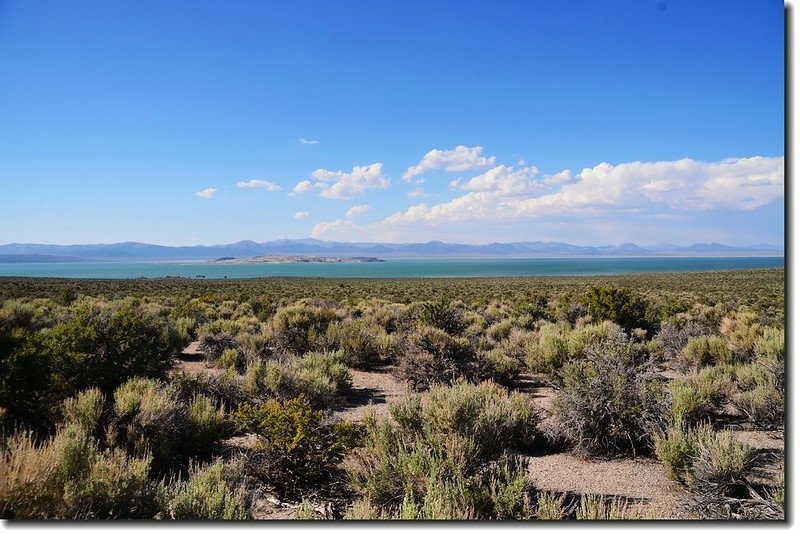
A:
x: 592, y: 507
x: 771, y: 344
x: 698, y: 398
x: 551, y: 349
x: 763, y: 405
x: 231, y: 358
x: 742, y: 331
x: 300, y: 328
x: 359, y: 342
x: 610, y: 401
x: 69, y: 477
x: 321, y: 377
x: 28, y: 380
x: 104, y: 345
x: 85, y: 410
x: 447, y: 316
x: 116, y: 487
x: 206, y: 495
x: 223, y: 389
x: 584, y: 336
x: 494, y: 418
x: 500, y: 330
x: 433, y: 356
x: 446, y: 456
x: 151, y: 419
x: 705, y: 351
x: 296, y: 449
x: 675, y: 449
x: 504, y: 370
x: 721, y: 464
x: 624, y: 307
x: 207, y: 423
x: 551, y: 506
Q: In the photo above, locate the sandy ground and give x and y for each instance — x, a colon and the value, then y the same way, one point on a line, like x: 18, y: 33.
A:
x: 371, y: 391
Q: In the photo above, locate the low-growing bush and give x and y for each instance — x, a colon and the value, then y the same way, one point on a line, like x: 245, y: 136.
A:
x: 742, y: 331
x: 206, y: 495
x: 300, y: 328
x: 698, y: 398
x: 433, y: 356
x: 721, y: 464
x: 296, y: 449
x: 68, y: 476
x: 86, y: 410
x: 705, y: 351
x: 551, y: 349
x: 150, y: 419
x: 232, y: 359
x: 763, y: 405
x: 447, y: 316
x: 675, y: 449
x: 447, y: 455
x: 321, y: 378
x: 503, y: 369
x: 359, y: 342
x: 610, y: 401
x: 207, y: 423
x: 104, y: 345
x: 622, y: 306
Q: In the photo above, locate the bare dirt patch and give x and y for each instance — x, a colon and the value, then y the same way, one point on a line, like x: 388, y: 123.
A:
x: 192, y: 361
x: 640, y: 481
x: 372, y: 390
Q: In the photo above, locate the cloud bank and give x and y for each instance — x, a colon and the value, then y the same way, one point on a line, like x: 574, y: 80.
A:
x: 506, y: 194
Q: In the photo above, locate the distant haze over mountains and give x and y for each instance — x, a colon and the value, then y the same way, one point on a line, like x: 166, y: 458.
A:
x: 133, y: 251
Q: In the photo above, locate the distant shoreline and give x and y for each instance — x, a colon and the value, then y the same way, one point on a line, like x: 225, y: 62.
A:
x: 296, y: 259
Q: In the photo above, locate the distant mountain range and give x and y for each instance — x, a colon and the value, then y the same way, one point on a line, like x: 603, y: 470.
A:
x: 133, y: 251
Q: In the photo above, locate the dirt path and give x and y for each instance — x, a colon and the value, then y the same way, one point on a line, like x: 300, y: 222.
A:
x: 371, y: 391
x: 192, y: 361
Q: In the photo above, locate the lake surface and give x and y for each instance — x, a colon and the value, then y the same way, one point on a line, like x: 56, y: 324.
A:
x: 394, y: 268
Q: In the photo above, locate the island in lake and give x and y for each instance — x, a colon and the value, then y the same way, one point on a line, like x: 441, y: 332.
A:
x: 296, y: 259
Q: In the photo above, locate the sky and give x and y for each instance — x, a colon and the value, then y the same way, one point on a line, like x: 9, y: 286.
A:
x: 204, y: 122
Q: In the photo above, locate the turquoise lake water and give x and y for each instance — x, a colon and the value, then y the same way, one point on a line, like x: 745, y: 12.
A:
x: 395, y: 268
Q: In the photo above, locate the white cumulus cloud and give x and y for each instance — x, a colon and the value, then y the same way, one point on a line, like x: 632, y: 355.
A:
x: 461, y: 158
x: 300, y: 215
x: 305, y: 141
x: 206, y: 193
x: 356, y: 210
x: 255, y: 183
x: 344, y: 185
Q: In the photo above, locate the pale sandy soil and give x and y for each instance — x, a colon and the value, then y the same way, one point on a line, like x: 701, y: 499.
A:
x: 371, y: 391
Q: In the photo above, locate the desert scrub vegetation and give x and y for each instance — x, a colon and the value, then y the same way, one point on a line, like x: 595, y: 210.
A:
x: 321, y: 378
x: 92, y: 364
x: 610, y: 400
x: 211, y: 492
x: 447, y: 455
x: 296, y: 451
x: 68, y: 476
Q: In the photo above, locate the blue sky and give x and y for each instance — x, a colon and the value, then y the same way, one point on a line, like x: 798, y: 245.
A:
x: 587, y: 121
